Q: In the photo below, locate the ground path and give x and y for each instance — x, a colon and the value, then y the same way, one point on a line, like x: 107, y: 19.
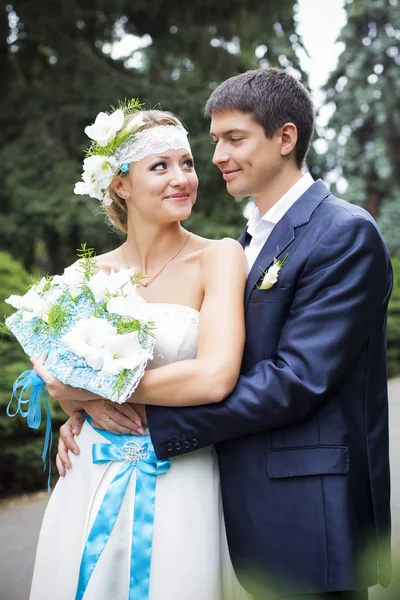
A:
x: 20, y: 522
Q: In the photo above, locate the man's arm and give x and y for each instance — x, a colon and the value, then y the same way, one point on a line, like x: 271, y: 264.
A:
x: 343, y: 291
x: 213, y: 374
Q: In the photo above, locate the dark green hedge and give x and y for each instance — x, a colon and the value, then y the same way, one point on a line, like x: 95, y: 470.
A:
x: 21, y: 467
x: 394, y: 323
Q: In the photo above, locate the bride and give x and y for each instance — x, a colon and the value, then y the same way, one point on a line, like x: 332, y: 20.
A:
x: 97, y: 539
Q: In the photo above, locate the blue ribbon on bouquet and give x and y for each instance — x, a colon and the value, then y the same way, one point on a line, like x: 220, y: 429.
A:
x: 137, y: 455
x: 30, y: 389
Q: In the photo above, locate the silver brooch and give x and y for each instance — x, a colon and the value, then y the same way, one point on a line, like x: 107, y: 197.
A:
x: 132, y: 452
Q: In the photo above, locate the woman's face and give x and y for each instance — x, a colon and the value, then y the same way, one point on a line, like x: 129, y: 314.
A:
x: 161, y: 188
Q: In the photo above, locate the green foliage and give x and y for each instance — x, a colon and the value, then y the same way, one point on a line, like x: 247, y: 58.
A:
x: 364, y: 90
x: 21, y: 467
x: 128, y: 107
x: 56, y: 74
x: 87, y: 260
x: 59, y: 75
x: 393, y: 342
x: 125, y: 326
x: 389, y: 223
x: 121, y: 382
x: 59, y: 315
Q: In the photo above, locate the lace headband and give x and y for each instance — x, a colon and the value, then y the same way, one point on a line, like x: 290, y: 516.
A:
x: 152, y: 141
x: 114, y: 147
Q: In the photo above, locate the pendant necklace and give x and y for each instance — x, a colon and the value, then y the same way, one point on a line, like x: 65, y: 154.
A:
x: 150, y: 279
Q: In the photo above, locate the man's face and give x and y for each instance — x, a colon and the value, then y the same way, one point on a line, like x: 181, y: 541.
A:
x: 248, y: 160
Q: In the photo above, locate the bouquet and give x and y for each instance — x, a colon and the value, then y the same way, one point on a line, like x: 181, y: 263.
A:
x: 94, y: 328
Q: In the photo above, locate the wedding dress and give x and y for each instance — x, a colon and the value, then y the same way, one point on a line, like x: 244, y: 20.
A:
x: 189, y: 553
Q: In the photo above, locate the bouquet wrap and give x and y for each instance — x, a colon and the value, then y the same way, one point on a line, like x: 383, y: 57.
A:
x: 94, y: 328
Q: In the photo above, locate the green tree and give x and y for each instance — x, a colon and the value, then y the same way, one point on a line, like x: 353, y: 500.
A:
x: 389, y: 223
x: 55, y: 58
x: 21, y: 467
x: 363, y: 91
x: 394, y: 324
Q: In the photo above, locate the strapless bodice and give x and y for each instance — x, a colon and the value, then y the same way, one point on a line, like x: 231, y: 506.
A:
x: 176, y: 328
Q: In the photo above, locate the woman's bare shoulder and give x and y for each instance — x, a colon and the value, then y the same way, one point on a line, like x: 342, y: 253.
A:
x: 210, y: 246
x: 227, y: 248
x: 109, y: 260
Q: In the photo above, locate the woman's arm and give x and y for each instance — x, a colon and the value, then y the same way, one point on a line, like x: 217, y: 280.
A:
x: 71, y: 406
x: 117, y: 418
x: 213, y: 374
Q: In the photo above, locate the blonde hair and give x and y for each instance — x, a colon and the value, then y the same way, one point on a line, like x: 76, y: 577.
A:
x: 117, y: 212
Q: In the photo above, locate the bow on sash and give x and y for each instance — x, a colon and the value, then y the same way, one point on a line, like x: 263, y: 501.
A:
x: 30, y: 389
x: 132, y: 454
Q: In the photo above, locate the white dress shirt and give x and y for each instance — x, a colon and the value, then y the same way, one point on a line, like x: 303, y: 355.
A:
x: 260, y: 228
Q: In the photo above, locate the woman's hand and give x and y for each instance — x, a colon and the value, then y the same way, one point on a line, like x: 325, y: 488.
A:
x: 113, y: 417
x: 116, y: 418
x: 56, y: 389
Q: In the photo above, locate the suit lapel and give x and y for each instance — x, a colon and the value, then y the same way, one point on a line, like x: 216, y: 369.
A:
x: 284, y: 232
x: 281, y: 236
x: 243, y: 238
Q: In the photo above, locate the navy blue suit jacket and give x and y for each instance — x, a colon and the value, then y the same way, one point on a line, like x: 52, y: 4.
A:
x: 302, y: 441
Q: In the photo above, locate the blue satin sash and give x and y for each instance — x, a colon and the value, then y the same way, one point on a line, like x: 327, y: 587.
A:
x: 133, y: 452
x: 30, y: 389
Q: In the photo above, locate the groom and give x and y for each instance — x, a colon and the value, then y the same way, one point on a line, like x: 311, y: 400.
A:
x: 302, y: 441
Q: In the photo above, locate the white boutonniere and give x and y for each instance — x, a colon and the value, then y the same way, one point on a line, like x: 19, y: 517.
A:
x: 270, y: 276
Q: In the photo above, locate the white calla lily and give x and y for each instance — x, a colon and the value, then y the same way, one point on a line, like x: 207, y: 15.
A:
x: 130, y: 305
x: 120, y: 280
x: 105, y: 127
x: 73, y: 277
x: 123, y: 352
x: 135, y: 123
x: 21, y: 301
x: 270, y: 276
x: 39, y: 286
x: 83, y: 188
x: 97, y: 175
x: 99, y: 170
x: 34, y: 305
x: 87, y: 339
x: 98, y: 284
x: 102, y: 284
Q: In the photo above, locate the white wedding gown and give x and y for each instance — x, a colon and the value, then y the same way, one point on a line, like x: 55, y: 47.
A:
x: 189, y: 556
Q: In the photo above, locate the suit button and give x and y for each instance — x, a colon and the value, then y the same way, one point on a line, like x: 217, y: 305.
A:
x: 195, y: 442
x: 177, y: 446
x: 169, y: 447
x: 186, y: 444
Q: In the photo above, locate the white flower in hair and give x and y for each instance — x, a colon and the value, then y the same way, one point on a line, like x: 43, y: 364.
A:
x: 105, y: 127
x: 115, y: 147
x: 97, y: 175
x: 99, y: 170
x: 88, y: 189
x: 135, y: 123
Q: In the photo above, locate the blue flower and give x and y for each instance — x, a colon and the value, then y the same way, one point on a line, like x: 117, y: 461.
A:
x: 124, y: 167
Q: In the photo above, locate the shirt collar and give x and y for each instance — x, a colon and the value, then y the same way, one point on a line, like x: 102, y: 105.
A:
x: 257, y: 224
